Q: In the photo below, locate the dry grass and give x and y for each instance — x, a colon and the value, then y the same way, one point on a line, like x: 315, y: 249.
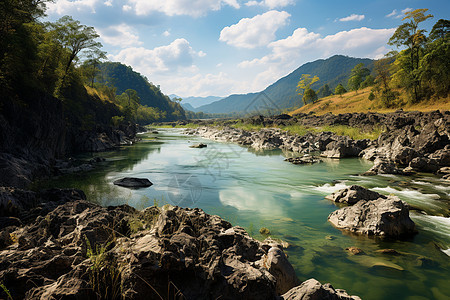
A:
x: 352, y: 102
x: 96, y: 93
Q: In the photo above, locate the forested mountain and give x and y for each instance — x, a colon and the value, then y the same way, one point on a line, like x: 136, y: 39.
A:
x: 123, y: 77
x: 282, y: 94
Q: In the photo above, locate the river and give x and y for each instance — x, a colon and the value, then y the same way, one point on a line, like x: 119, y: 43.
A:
x: 258, y: 189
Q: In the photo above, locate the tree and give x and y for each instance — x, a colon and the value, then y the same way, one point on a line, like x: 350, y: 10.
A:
x: 440, y: 30
x: 324, y: 91
x: 90, y: 67
x: 408, y: 34
x: 339, y: 90
x: 304, y: 85
x: 75, y: 38
x: 309, y: 96
x: 369, y: 81
x: 357, y: 76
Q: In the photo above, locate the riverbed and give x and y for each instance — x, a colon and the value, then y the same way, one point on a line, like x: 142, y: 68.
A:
x: 258, y: 189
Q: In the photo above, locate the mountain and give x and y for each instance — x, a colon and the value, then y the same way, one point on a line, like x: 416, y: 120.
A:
x: 197, y: 101
x: 124, y: 77
x: 282, y: 94
x: 188, y: 106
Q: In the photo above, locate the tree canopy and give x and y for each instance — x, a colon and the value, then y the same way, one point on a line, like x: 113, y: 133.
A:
x: 304, y: 88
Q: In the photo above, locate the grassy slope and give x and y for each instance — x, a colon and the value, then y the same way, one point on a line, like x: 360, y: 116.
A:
x: 352, y: 102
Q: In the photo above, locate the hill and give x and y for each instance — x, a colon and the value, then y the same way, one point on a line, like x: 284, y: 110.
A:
x: 351, y: 102
x: 282, y: 94
x: 196, y: 102
x: 124, y: 77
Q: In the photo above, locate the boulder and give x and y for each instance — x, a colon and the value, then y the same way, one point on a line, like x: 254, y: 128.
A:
x: 282, y: 270
x: 302, y: 160
x: 131, y: 182
x: 353, y: 194
x: 200, y: 145
x: 312, y: 289
x: 341, y: 148
x: 382, y: 217
x: 383, y: 166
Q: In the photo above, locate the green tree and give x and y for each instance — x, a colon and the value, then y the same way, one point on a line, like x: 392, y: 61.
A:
x: 75, y: 38
x: 90, y: 67
x: 304, y: 85
x: 339, y: 90
x: 309, y: 96
x: 324, y: 91
x: 409, y: 35
x: 440, y: 30
x: 357, y: 75
x: 369, y: 81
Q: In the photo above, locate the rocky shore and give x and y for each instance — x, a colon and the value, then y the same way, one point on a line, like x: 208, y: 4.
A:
x: 410, y: 142
x: 56, y: 245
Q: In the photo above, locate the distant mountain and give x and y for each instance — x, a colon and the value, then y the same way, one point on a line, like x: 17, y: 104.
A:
x: 282, y: 94
x: 187, y: 106
x: 197, y: 101
x: 124, y: 77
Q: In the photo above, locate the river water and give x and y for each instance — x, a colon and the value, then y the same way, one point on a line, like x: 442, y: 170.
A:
x: 258, y: 189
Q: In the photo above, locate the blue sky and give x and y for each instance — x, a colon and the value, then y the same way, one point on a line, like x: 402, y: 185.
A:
x: 221, y: 47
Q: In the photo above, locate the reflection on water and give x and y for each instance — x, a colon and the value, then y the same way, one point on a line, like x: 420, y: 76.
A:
x: 256, y: 189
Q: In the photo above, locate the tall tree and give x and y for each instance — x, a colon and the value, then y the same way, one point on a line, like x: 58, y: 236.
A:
x: 408, y: 34
x: 304, y: 85
x: 357, y: 75
x: 75, y: 38
x: 339, y: 90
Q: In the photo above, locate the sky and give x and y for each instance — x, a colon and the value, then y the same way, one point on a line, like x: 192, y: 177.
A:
x: 222, y: 47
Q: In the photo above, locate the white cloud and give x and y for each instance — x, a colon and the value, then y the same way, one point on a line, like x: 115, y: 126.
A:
x: 303, y: 46
x: 254, y: 32
x: 270, y: 3
x: 353, y: 17
x: 166, y: 33
x: 169, y: 59
x: 408, y: 9
x: 108, y: 3
x: 126, y: 8
x: 121, y: 35
x: 63, y: 7
x: 397, y: 15
x: 392, y: 14
x: 194, y: 8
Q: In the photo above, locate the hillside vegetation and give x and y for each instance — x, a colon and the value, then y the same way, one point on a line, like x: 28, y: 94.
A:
x: 359, y: 102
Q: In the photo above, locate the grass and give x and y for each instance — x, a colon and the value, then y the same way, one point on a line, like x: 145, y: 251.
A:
x: 359, y: 102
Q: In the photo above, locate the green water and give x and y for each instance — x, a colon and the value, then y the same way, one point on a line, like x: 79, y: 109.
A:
x: 255, y: 190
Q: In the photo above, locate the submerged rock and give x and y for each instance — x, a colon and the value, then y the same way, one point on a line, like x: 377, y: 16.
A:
x: 381, y: 217
x: 312, y: 289
x: 353, y: 194
x: 131, y: 182
x: 305, y: 159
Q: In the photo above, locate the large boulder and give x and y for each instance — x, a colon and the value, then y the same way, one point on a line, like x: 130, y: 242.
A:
x: 131, y: 182
x: 341, y: 148
x: 381, y: 217
x: 353, y: 194
x: 279, y: 266
x: 312, y: 289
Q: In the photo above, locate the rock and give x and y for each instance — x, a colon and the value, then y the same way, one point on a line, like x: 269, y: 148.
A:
x: 131, y: 182
x: 282, y: 270
x: 353, y: 194
x: 264, y: 231
x: 382, y: 217
x: 341, y: 148
x: 312, y: 289
x: 271, y: 242
x: 305, y: 159
x: 423, y: 164
x: 354, y: 250
x: 200, y: 145
x: 383, y: 166
x: 388, y: 251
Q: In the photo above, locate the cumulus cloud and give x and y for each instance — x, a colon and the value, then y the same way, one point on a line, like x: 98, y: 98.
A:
x: 171, y: 58
x: 121, y: 35
x: 256, y: 31
x: 62, y: 7
x: 270, y: 3
x: 353, y: 17
x: 194, y: 8
x: 302, y: 46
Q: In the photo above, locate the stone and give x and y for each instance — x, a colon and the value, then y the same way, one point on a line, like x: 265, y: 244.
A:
x: 353, y: 194
x: 282, y: 270
x: 354, y: 250
x: 131, y: 182
x: 382, y: 217
x: 312, y: 289
x: 305, y: 159
x: 200, y: 145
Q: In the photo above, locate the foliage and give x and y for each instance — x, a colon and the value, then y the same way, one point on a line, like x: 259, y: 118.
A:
x: 324, y: 91
x: 357, y: 75
x: 339, y: 90
x: 304, y: 88
x: 371, y: 96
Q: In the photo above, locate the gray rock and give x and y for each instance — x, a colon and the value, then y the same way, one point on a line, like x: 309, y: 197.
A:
x: 312, y: 289
x: 200, y: 145
x: 302, y: 160
x: 131, y: 182
x: 353, y: 194
x: 282, y: 270
x: 381, y: 217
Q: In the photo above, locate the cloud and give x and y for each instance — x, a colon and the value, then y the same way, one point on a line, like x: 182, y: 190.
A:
x: 395, y: 14
x: 254, y: 32
x: 194, y: 8
x: 62, y: 7
x: 270, y: 3
x: 108, y: 3
x: 166, y: 33
x: 169, y: 59
x: 121, y: 35
x: 353, y: 17
x: 303, y: 46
